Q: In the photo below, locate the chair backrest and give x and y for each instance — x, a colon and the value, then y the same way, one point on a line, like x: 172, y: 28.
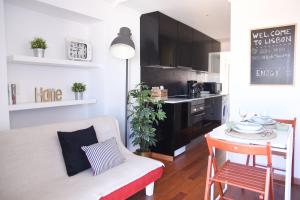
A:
x: 288, y: 121
x: 238, y: 148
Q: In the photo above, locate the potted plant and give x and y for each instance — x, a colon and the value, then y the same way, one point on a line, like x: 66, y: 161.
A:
x: 144, y: 114
x: 78, y: 89
x: 38, y: 45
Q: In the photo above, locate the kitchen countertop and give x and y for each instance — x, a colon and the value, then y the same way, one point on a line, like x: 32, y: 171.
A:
x: 182, y: 100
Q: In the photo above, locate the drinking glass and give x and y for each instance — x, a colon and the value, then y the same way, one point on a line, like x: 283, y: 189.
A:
x: 243, y: 113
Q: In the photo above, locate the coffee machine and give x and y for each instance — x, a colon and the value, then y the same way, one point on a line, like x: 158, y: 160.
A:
x: 193, y: 89
x: 190, y: 89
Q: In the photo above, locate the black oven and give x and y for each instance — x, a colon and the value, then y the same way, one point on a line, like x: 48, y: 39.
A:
x: 196, y: 114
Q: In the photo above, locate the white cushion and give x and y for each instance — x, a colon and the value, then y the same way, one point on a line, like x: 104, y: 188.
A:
x: 32, y: 166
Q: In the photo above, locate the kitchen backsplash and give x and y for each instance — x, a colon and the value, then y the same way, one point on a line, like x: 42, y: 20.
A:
x: 213, y: 77
x: 174, y: 79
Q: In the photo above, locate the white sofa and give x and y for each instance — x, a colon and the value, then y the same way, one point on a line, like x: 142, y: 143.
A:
x: 32, y: 165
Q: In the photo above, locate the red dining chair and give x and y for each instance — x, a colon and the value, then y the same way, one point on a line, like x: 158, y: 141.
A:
x: 251, y: 178
x: 285, y: 121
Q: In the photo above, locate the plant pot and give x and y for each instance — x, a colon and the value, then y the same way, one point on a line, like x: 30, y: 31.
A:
x: 78, y: 95
x: 144, y: 153
x: 40, y: 53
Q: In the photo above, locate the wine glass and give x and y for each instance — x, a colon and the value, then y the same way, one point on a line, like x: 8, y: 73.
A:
x: 243, y: 113
x: 264, y: 114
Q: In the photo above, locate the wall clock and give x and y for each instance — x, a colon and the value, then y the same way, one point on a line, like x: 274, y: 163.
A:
x: 78, y: 49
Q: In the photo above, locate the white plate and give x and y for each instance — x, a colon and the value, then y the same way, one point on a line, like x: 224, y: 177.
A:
x: 262, y: 120
x: 248, y: 131
x: 248, y: 126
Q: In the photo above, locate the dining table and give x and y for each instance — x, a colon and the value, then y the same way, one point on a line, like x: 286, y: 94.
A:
x: 282, y: 144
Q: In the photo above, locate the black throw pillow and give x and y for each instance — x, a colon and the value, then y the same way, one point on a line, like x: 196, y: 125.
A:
x: 71, y: 143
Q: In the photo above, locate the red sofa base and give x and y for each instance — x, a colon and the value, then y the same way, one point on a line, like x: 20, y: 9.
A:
x: 135, y: 186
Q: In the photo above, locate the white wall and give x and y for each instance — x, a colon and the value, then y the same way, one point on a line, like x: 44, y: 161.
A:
x: 4, y: 117
x: 277, y: 101
x: 113, y: 74
x: 26, y: 77
x: 107, y: 84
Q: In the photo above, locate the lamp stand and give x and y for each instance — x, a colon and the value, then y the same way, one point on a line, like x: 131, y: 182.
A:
x: 126, y: 101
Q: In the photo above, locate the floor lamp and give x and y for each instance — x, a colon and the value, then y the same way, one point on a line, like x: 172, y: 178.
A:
x: 123, y: 47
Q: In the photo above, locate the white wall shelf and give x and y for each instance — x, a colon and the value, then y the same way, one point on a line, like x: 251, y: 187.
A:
x: 29, y: 60
x: 52, y: 10
x: 30, y: 106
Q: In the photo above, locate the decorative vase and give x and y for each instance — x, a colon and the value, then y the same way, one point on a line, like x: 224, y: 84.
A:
x: 78, y: 95
x: 38, y: 52
x: 81, y: 95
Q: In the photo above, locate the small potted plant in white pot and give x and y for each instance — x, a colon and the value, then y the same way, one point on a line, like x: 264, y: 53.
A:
x: 38, y: 45
x: 78, y: 89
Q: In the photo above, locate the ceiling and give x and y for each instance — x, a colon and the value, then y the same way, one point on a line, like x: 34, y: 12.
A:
x: 211, y: 17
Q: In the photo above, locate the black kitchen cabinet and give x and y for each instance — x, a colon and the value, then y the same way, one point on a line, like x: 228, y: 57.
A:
x: 184, y: 45
x: 215, y: 46
x: 213, y: 113
x: 184, y: 123
x: 158, y: 40
x: 171, y: 133
x: 149, y: 39
x: 167, y: 42
x: 201, y: 48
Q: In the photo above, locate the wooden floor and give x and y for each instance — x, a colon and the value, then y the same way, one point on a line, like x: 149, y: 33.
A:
x: 185, y: 179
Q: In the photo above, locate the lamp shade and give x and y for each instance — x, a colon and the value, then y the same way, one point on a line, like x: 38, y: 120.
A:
x: 122, y: 46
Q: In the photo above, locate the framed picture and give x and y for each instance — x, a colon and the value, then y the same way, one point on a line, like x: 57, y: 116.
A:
x: 272, y: 55
x: 77, y: 49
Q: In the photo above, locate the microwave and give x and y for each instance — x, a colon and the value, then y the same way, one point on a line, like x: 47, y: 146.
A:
x: 212, y: 87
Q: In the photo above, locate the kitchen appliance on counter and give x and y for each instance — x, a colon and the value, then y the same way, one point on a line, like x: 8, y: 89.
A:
x: 194, y: 89
x: 191, y: 91
x: 212, y: 87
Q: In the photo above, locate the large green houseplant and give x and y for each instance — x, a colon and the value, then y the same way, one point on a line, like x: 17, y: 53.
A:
x: 144, y: 114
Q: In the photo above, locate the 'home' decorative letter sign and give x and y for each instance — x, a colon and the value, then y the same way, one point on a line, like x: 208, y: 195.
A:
x: 47, y: 95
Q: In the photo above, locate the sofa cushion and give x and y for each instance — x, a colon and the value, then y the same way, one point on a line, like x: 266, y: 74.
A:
x: 104, y: 155
x: 71, y: 143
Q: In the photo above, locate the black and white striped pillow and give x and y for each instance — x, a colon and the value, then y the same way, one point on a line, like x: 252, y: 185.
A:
x: 103, y: 155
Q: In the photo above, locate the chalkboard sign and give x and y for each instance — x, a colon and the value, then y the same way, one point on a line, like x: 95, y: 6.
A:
x: 272, y: 55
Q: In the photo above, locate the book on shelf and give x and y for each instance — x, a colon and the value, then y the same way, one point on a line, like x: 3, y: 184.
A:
x: 12, y: 94
x: 9, y: 94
